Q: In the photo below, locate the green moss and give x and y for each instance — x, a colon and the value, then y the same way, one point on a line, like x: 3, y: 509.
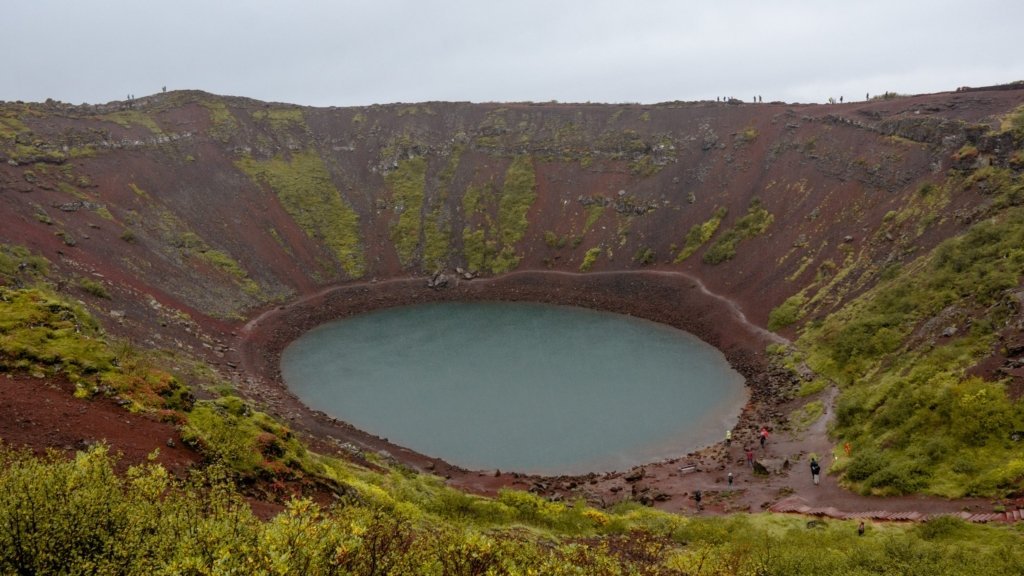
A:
x: 18, y: 262
x: 437, y: 229
x: 129, y: 118
x: 282, y: 119
x: 224, y: 262
x: 913, y: 397
x: 699, y: 234
x: 437, y: 232
x: 594, y: 212
x: 223, y: 122
x: 590, y: 258
x: 138, y: 191
x: 517, y: 196
x: 249, y: 441
x: 644, y: 256
x: 747, y: 135
x: 787, y: 313
x: 802, y: 418
x: 95, y: 288
x: 304, y: 187
x: 407, y: 182
x: 753, y: 223
x: 490, y: 244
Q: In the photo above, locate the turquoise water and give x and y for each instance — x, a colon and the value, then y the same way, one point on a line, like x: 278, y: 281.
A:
x: 519, y: 387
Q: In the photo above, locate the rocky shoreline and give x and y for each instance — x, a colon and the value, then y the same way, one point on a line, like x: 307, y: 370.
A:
x: 670, y: 298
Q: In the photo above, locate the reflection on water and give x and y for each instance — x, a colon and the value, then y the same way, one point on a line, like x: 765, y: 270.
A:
x: 519, y: 387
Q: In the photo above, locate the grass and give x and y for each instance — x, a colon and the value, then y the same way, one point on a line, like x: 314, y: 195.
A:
x: 70, y: 516
x: 282, y: 119
x: 699, y: 234
x: 305, y: 189
x: 407, y: 183
x: 223, y: 122
x: 489, y: 239
x: 787, y: 313
x: 97, y: 289
x: 590, y: 258
x: 916, y: 400
x: 129, y: 118
x: 753, y: 223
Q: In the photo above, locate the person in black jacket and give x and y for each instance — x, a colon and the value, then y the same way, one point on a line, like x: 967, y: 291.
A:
x: 815, y: 471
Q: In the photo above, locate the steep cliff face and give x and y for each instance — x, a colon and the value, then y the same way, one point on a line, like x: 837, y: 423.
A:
x: 215, y: 206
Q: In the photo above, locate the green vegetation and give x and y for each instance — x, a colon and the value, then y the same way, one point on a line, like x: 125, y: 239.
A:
x: 224, y: 124
x: 407, y: 182
x: 485, y: 248
x: 129, y: 118
x: 282, y: 119
x: 594, y: 212
x: 747, y: 135
x: 17, y: 263
x: 60, y: 516
x: 644, y: 255
x: 699, y: 234
x: 93, y: 287
x: 517, y: 197
x: 802, y: 418
x: 590, y: 258
x: 304, y: 187
x: 754, y: 222
x: 249, y: 442
x: 437, y: 228
x: 45, y: 335
x: 787, y: 313
x: 942, y: 431
x: 554, y: 240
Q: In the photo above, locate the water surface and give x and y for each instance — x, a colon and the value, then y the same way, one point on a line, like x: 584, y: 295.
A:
x: 525, y: 387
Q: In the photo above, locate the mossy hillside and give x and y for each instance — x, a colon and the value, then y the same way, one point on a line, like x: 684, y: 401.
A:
x: 70, y: 516
x: 248, y: 441
x: 406, y: 183
x: 437, y: 229
x: 18, y: 265
x: 223, y: 124
x: 915, y: 420
x: 489, y: 244
x: 282, y: 119
x: 44, y: 335
x: 303, y: 185
x: 130, y: 118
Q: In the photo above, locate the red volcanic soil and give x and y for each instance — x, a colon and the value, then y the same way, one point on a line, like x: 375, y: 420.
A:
x: 45, y: 414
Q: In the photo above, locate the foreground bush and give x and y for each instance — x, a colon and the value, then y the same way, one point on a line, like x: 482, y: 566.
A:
x: 60, y: 516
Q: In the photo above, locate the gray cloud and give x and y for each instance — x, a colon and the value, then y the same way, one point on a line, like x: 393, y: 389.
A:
x: 354, y: 53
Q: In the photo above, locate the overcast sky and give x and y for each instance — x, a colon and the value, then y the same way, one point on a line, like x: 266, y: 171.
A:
x: 345, y: 52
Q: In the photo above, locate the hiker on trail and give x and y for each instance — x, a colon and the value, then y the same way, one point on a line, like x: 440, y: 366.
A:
x: 860, y: 529
x: 815, y: 471
x: 697, y: 497
x: 764, y: 436
x: 730, y: 478
x: 750, y: 457
x: 728, y: 437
